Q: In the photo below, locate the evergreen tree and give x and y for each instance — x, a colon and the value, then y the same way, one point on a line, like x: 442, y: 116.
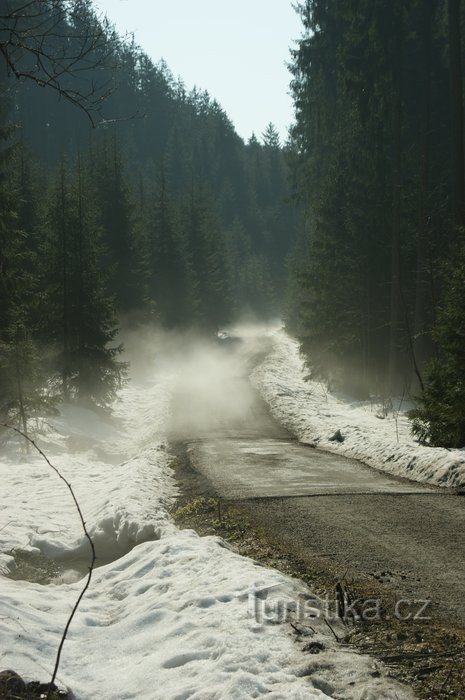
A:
x: 115, y: 206
x: 23, y: 391
x: 170, y: 278
x: 207, y: 247
x: 271, y: 137
x: 79, y: 316
x: 367, y: 154
x: 440, y: 416
x: 160, y: 122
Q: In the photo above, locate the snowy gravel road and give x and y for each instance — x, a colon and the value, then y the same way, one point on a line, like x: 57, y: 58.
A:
x: 377, y: 523
x: 168, y: 614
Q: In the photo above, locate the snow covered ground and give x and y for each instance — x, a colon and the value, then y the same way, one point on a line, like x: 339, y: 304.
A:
x: 168, y: 614
x: 314, y: 415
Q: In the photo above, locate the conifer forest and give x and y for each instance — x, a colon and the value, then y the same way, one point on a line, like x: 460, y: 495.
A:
x: 377, y: 283
x: 128, y: 199
x: 232, y: 349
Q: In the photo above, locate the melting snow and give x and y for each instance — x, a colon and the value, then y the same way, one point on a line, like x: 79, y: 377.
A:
x: 312, y: 413
x: 168, y: 615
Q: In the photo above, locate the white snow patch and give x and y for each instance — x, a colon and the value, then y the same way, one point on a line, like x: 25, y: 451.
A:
x: 314, y: 415
x: 123, y: 503
x: 168, y: 617
x: 168, y: 621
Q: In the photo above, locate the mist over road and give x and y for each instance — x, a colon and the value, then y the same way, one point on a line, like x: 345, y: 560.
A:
x: 234, y: 441
x: 315, y: 503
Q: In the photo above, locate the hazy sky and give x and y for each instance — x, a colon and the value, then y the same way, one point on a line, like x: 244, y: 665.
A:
x: 236, y: 49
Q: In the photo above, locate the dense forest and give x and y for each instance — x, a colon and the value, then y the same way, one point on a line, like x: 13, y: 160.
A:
x: 125, y: 199
x: 377, y: 291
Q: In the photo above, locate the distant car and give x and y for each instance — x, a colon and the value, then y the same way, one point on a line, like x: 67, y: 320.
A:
x: 228, y: 340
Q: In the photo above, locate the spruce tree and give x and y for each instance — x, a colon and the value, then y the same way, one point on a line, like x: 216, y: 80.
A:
x: 23, y: 383
x: 114, y: 200
x: 440, y: 416
x: 79, y: 314
x: 171, y: 283
x: 207, y: 246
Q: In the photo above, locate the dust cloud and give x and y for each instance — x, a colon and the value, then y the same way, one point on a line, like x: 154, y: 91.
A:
x: 211, y: 391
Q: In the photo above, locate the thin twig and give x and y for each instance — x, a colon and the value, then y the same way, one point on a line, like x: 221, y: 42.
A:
x: 87, y: 535
x: 332, y: 630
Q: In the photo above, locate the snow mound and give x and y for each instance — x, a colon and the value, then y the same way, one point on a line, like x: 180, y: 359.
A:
x: 123, y: 503
x: 171, y: 619
x: 168, y: 616
x: 315, y: 415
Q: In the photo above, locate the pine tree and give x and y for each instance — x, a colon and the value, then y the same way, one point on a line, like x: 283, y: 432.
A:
x: 23, y: 382
x: 153, y: 120
x: 79, y: 314
x: 115, y: 206
x: 170, y: 279
x: 271, y: 137
x: 440, y: 416
x: 359, y: 87
x: 207, y: 247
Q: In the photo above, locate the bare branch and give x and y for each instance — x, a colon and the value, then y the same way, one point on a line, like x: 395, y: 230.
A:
x: 53, y: 43
x: 88, y: 537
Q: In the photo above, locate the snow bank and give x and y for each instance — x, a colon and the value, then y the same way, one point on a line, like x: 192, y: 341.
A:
x: 169, y: 615
x: 122, y: 502
x: 314, y: 415
x: 168, y: 621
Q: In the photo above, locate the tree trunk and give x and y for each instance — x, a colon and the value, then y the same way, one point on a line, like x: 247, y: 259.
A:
x: 19, y: 386
x: 421, y: 344
x: 64, y: 251
x: 393, y: 368
x: 80, y: 290
x: 456, y: 111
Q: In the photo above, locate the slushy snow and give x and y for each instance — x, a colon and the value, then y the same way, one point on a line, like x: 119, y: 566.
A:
x: 314, y: 415
x: 168, y: 614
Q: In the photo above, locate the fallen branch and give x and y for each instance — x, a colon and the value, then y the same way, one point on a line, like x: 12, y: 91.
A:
x: 332, y: 630
x: 88, y: 537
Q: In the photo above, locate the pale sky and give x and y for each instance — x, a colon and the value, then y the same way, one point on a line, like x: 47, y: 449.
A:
x: 235, y: 49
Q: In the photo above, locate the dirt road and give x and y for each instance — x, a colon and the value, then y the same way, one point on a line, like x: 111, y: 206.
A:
x: 321, y: 507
